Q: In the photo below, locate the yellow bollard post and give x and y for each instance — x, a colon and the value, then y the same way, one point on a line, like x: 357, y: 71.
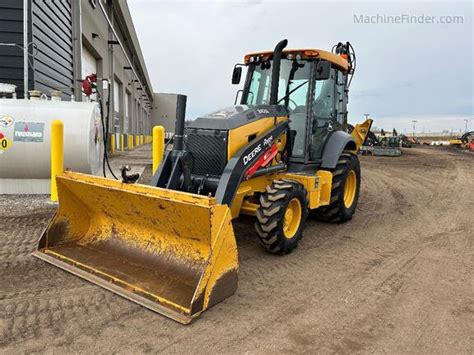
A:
x: 141, y: 139
x: 158, y: 146
x: 122, y: 143
x: 130, y: 142
x: 112, y: 143
x: 57, y: 155
x: 137, y: 143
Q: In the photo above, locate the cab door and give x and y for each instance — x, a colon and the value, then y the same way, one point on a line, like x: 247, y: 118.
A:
x: 296, y: 93
x: 324, y: 114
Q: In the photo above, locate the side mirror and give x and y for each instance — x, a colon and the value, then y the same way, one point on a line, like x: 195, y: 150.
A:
x: 236, y: 75
x: 323, y: 70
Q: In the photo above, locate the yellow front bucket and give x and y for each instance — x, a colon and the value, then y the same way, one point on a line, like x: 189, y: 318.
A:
x: 170, y: 251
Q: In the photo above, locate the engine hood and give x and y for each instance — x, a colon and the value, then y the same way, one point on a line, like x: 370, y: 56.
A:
x: 236, y: 116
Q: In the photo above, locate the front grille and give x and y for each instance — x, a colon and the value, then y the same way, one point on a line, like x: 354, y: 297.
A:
x: 209, y: 149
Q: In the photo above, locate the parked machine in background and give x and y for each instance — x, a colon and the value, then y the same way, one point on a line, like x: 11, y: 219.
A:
x: 464, y: 142
x: 407, y: 142
x: 385, y: 145
x: 279, y: 155
x: 389, y: 146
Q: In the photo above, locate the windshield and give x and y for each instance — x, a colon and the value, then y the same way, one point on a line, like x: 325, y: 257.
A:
x: 292, y: 86
x: 292, y: 92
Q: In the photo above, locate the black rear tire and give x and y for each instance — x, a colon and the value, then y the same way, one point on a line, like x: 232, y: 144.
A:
x: 338, y: 211
x: 275, y: 233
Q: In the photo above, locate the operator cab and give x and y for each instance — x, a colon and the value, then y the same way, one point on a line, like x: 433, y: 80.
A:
x: 313, y: 86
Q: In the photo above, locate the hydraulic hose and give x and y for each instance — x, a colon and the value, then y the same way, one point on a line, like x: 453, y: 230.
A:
x: 105, y: 133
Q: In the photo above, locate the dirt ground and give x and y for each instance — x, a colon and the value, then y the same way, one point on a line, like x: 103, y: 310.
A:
x: 395, y: 279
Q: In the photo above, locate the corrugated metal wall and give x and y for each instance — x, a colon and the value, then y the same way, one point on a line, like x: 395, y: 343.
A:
x: 11, y: 31
x: 52, y: 33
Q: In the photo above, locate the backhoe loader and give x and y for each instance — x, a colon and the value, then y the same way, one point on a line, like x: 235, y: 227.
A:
x: 280, y: 154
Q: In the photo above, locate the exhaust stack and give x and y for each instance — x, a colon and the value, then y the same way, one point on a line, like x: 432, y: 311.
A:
x: 179, y: 124
x: 276, y: 70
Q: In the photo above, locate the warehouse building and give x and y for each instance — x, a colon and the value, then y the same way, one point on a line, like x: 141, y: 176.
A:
x: 66, y: 41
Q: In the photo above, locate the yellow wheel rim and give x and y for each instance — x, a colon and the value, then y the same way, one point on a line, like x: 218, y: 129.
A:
x: 292, y: 219
x: 350, y: 188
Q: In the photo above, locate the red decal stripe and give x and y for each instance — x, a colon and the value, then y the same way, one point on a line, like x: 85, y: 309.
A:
x: 263, y: 161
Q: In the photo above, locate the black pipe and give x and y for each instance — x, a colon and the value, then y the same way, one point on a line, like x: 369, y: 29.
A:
x: 276, y: 71
x: 178, y: 144
x: 270, y: 170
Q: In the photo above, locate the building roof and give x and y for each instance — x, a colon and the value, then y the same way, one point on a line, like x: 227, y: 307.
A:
x: 128, y: 28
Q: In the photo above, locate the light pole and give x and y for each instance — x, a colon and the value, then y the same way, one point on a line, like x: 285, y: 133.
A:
x: 466, y: 120
x: 414, y: 121
x: 366, y: 115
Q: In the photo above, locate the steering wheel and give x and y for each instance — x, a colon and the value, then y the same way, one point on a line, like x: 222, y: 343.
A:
x: 290, y: 101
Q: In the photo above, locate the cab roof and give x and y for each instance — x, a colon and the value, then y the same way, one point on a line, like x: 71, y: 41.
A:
x: 335, y: 59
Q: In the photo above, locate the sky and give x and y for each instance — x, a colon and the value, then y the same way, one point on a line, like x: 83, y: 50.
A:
x: 406, y: 71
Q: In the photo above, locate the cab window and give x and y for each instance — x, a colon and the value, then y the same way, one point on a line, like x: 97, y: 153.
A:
x: 324, y: 98
x: 324, y: 113
x: 296, y: 93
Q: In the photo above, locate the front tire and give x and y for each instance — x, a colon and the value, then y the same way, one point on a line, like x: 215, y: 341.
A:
x: 345, y: 191
x: 281, y: 216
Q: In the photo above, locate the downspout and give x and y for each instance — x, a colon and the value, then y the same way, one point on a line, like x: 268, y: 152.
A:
x: 111, y: 64
x: 117, y: 38
x: 25, y: 48
x: 76, y: 12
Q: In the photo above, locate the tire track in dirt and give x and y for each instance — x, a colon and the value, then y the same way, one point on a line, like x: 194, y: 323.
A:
x: 357, y: 287
x: 19, y: 234
x: 388, y: 281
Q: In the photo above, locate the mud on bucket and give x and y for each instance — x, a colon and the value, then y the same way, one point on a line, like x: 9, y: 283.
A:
x: 170, y: 251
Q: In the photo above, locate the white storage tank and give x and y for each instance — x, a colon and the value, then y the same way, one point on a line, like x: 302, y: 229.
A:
x: 25, y: 142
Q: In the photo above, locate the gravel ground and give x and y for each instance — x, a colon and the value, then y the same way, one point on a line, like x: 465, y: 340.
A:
x: 395, y: 279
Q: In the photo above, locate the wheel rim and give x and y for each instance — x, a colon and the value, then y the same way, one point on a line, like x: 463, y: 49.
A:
x: 292, y: 219
x: 350, y: 188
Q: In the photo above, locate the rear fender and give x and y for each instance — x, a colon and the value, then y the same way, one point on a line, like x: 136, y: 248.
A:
x: 337, y: 142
